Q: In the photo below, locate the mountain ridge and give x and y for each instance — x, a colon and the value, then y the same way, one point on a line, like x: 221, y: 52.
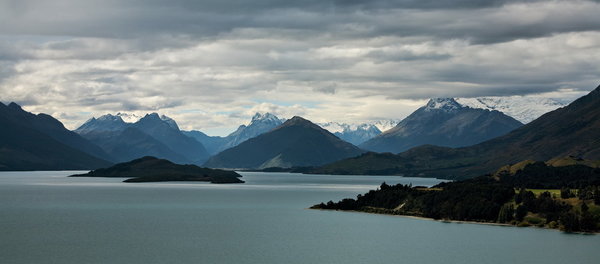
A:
x: 358, y: 133
x: 442, y: 122
x: 573, y: 130
x: 40, y: 142
x: 260, y: 123
x: 524, y: 109
x: 297, y: 142
x: 55, y: 129
x: 153, y: 134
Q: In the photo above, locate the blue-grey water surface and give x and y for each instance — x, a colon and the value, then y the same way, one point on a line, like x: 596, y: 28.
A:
x: 46, y: 217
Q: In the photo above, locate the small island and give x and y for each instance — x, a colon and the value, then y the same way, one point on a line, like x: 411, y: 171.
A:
x: 559, y: 194
x: 151, y: 169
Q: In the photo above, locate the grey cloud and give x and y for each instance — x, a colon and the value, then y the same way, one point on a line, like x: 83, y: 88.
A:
x: 344, y: 19
x: 383, y: 56
x: 326, y: 88
x: 6, y: 70
x: 229, y: 56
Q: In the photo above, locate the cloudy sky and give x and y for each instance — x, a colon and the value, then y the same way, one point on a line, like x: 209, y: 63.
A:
x: 210, y: 64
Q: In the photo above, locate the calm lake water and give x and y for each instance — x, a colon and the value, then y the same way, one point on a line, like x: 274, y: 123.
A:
x: 46, y: 217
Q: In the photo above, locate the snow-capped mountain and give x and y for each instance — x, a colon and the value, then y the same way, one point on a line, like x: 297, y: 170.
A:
x: 447, y: 105
x: 129, y: 117
x: 385, y: 125
x: 297, y: 142
x: 104, y: 123
x: 152, y: 135
x: 334, y: 127
x: 169, y: 121
x: 358, y: 133
x: 522, y: 108
x: 266, y: 118
x: 443, y: 122
x: 260, y: 123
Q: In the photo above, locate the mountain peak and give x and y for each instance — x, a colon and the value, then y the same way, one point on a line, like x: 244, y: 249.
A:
x: 443, y: 122
x: 128, y: 117
x: 169, y: 121
x: 109, y: 117
x: 260, y: 124
x: 297, y: 142
x: 106, y: 122
x: 155, y: 118
x: 261, y: 117
x: 15, y: 106
x: 151, y: 116
x: 443, y: 104
x: 596, y: 91
x: 297, y: 120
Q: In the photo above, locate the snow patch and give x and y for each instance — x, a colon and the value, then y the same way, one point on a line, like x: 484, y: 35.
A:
x: 169, y: 121
x: 523, y: 108
x: 442, y: 104
x: 265, y: 118
x: 336, y: 127
x: 129, y: 117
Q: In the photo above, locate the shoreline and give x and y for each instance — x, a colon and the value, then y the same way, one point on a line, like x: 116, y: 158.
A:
x: 457, y: 221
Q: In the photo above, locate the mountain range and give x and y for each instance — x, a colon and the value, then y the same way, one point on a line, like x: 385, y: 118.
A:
x: 358, y: 133
x: 573, y: 130
x: 40, y: 142
x: 297, y: 142
x: 443, y: 122
x: 523, y: 109
x: 124, y: 137
x: 152, y: 135
x: 260, y: 123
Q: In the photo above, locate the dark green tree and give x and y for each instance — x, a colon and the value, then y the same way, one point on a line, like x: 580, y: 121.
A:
x: 587, y: 222
x: 521, y: 212
x: 570, y: 221
x: 529, y: 201
x: 519, y: 196
x: 384, y: 186
x: 506, y: 213
x: 565, y: 193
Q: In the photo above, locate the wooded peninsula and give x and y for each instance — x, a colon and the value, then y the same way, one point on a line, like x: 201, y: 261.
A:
x: 529, y: 193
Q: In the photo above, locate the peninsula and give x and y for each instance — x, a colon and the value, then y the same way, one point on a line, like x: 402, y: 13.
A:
x: 560, y: 194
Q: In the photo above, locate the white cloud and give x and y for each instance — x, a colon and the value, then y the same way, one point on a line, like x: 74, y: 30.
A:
x: 212, y: 71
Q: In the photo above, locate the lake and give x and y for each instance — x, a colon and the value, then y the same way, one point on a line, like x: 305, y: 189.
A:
x: 46, y: 217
